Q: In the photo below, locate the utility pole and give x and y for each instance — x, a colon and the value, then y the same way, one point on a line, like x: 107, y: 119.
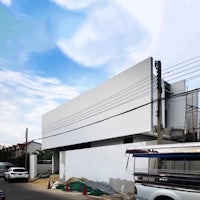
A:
x: 185, y: 126
x: 193, y: 125
x: 159, y: 104
x: 26, y: 156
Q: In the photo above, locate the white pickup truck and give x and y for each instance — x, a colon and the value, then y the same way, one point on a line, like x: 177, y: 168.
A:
x: 155, y: 192
x: 166, y: 172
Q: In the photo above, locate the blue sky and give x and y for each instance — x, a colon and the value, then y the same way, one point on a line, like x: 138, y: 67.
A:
x: 53, y: 50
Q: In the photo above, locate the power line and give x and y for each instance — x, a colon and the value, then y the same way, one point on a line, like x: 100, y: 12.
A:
x: 186, y: 65
x: 96, y: 122
x: 111, y: 100
x: 108, y: 103
x: 189, y: 68
x: 122, y: 113
x: 183, y: 62
x: 181, y: 76
x: 117, y: 99
x: 118, y: 102
x: 193, y: 77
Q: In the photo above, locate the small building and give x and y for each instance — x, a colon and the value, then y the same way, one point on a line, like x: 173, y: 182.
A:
x: 20, y: 149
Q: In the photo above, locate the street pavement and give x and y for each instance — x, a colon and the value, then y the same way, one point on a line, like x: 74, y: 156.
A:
x: 31, y: 191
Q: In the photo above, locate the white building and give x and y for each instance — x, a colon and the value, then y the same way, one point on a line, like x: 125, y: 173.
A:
x: 89, y: 134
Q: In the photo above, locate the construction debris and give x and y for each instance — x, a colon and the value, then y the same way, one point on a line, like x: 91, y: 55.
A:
x: 84, y: 186
x: 104, y: 187
x: 57, y: 185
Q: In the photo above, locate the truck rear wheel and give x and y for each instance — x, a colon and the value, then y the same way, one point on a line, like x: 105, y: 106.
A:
x: 163, y: 198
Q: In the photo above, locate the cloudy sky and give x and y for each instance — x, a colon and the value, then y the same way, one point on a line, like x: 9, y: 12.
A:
x: 53, y: 50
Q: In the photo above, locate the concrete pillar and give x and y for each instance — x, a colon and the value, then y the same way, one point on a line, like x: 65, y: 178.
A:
x: 62, y: 165
x: 55, y: 162
x: 33, y: 166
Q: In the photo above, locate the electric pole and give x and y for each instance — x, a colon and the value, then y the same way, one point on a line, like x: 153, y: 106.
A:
x: 159, y: 104
x: 26, y: 156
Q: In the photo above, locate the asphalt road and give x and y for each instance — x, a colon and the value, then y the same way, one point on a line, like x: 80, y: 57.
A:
x: 31, y: 191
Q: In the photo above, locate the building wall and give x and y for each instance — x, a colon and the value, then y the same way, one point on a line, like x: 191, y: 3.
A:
x: 44, y: 168
x: 198, y: 126
x: 99, y: 163
x: 62, y: 165
x: 177, y: 106
x: 33, y: 146
x: 36, y: 169
x: 192, y: 112
x: 89, y: 119
x: 82, y: 119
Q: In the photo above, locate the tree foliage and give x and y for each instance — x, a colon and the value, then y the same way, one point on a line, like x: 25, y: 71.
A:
x: 5, y: 156
x: 43, y: 154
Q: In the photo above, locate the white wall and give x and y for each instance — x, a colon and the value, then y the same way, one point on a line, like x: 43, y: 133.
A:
x: 177, y: 106
x: 62, y: 172
x: 33, y: 146
x: 33, y: 166
x: 36, y: 168
x: 198, y: 126
x: 44, y: 168
x: 192, y: 112
x: 128, y: 90
x: 99, y: 163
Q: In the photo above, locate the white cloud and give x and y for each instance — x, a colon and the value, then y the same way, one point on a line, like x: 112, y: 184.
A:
x: 74, y: 5
x: 108, y: 35
x: 117, y: 34
x: 36, y: 86
x: 6, y: 2
x: 25, y: 98
x: 150, y: 14
x: 179, y: 40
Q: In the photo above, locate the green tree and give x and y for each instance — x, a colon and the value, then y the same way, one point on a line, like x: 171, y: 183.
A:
x: 5, y: 155
x: 43, y: 154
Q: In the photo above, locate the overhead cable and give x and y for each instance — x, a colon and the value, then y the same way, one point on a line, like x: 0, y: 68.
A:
x: 116, y: 115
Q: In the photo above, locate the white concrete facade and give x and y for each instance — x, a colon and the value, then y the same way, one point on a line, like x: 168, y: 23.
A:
x: 95, y: 115
x: 177, y: 106
x: 98, y: 163
x: 33, y: 166
x: 103, y: 118
x: 33, y: 146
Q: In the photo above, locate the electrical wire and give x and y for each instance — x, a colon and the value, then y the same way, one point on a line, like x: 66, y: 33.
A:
x: 106, y: 107
x: 98, y: 110
x: 119, y: 98
x: 121, y: 95
x: 119, y: 114
x: 182, y: 76
x: 180, y: 63
x: 189, y: 68
x: 178, y: 68
x: 111, y: 100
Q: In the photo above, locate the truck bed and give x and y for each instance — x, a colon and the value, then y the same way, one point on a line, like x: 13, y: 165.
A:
x: 170, y: 179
